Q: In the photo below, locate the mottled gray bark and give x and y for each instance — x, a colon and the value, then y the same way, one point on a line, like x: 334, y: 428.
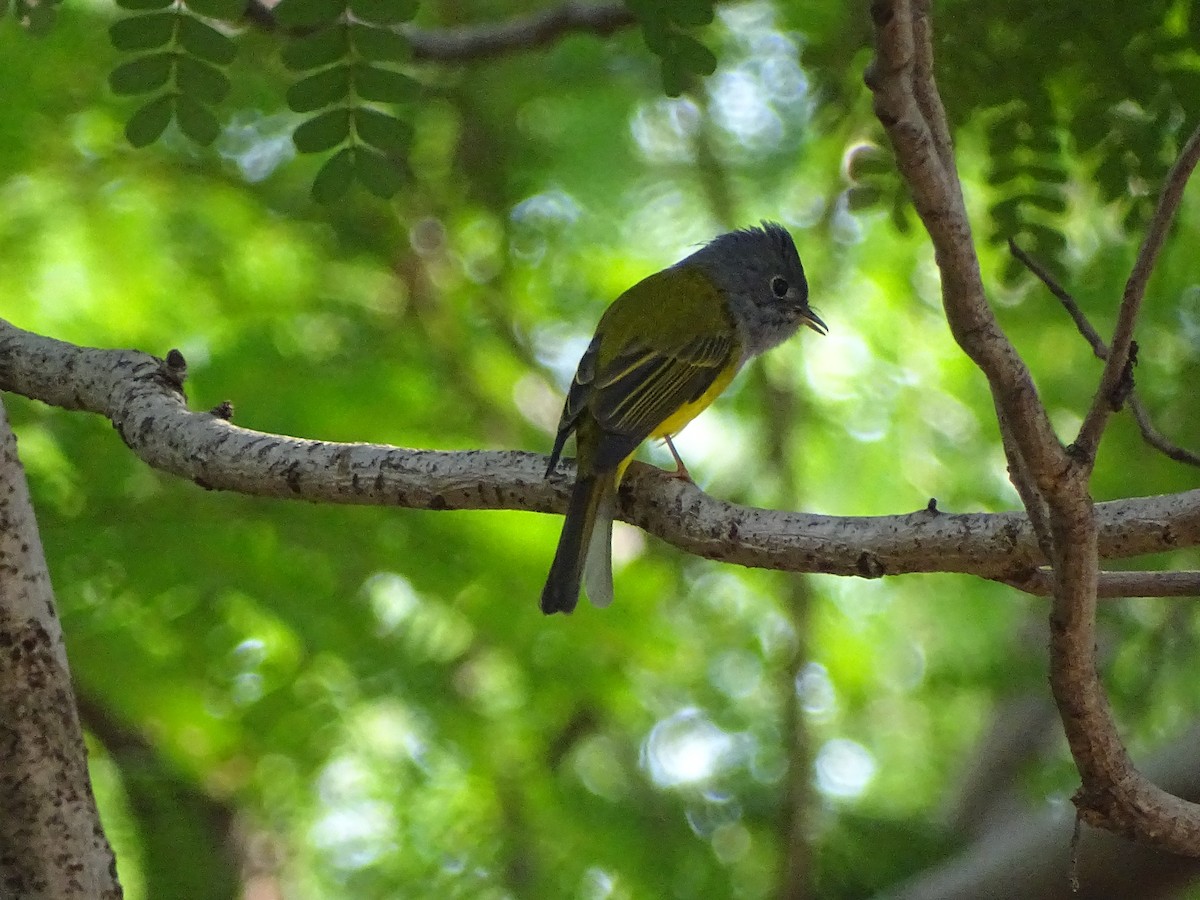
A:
x: 51, y: 842
x: 143, y: 397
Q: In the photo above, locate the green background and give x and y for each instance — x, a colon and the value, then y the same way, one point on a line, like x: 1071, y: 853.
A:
x: 349, y: 702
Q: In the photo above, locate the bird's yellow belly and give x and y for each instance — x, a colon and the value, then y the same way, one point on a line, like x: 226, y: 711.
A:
x: 674, y: 423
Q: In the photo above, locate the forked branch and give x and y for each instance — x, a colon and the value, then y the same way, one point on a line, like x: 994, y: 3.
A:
x: 1150, y: 434
x: 1135, y: 291
x: 1113, y: 795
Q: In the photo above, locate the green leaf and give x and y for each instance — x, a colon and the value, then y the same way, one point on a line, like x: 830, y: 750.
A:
x: 204, y: 42
x: 195, y: 120
x: 142, y: 75
x: 200, y: 80
x: 137, y: 5
x: 1048, y: 242
x: 3, y: 8
x: 1045, y: 143
x: 1002, y: 136
x: 863, y: 196
x: 148, y: 123
x: 377, y: 173
x: 317, y: 49
x: 691, y: 13
x: 319, y: 90
x: 1004, y: 169
x: 1052, y: 202
x: 867, y: 161
x: 379, y: 44
x: 147, y: 32
x: 674, y: 78
x: 1006, y: 215
x: 657, y: 36
x: 335, y: 177
x: 384, y: 85
x: 324, y: 132
x: 1048, y: 173
x: 385, y: 12
x: 228, y: 10
x: 693, y: 56
x: 381, y: 130
x: 649, y: 13
x: 308, y: 13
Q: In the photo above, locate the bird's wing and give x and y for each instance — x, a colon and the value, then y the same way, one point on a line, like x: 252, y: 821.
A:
x: 640, y: 389
x: 640, y: 369
x: 576, y: 402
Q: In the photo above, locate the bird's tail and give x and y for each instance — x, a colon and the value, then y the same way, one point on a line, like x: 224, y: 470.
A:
x: 584, y: 546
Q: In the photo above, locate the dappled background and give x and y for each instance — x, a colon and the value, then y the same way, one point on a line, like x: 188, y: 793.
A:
x: 294, y: 700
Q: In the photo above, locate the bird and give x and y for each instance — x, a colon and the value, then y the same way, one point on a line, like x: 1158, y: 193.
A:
x: 662, y: 352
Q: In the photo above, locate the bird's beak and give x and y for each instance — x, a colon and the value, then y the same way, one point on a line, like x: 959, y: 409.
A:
x: 813, y: 321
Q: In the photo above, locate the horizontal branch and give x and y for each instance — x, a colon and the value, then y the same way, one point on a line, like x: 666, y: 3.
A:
x: 473, y: 43
x: 470, y: 43
x: 140, y: 394
x: 1117, y: 585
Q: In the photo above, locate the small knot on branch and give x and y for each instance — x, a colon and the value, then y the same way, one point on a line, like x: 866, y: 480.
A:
x: 223, y: 410
x: 1124, y: 386
x: 174, y: 368
x: 868, y: 565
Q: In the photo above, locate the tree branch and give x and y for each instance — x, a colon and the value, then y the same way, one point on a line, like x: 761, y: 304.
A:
x: 1115, y: 367
x: 142, y: 397
x: 1155, y: 438
x: 1113, y: 794
x: 901, y: 94
x: 1150, y: 434
x: 473, y: 43
x: 1116, y: 585
x: 1027, y: 490
x: 1090, y: 334
x: 52, y: 846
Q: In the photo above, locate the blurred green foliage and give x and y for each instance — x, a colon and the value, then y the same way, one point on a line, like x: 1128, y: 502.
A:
x: 367, y: 702
x: 1066, y: 93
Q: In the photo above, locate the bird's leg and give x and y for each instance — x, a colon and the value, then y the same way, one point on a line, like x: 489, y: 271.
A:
x: 681, y: 471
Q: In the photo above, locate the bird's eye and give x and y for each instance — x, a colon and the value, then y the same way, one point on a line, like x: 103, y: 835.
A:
x: 779, y: 286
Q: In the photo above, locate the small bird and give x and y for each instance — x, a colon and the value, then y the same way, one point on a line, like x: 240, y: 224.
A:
x: 662, y: 352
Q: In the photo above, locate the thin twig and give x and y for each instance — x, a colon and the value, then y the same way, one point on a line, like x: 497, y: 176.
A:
x: 475, y: 42
x: 1115, y: 367
x: 1027, y: 490
x: 928, y: 99
x: 1090, y: 334
x: 1155, y: 438
x: 1115, y: 585
x: 1150, y: 434
x: 471, y: 43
